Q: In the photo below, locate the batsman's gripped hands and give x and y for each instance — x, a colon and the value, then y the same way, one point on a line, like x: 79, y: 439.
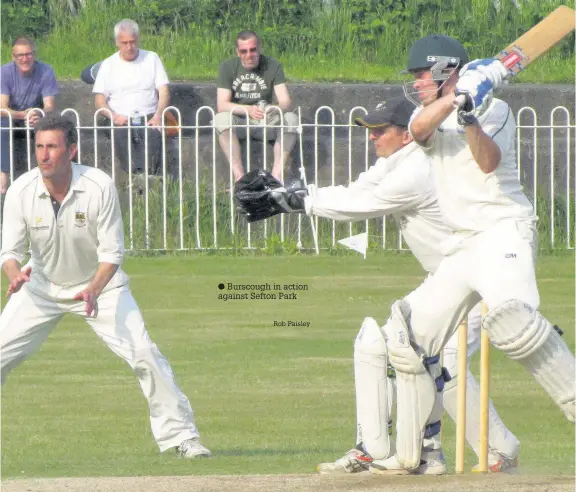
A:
x: 18, y: 281
x: 476, y: 87
x: 491, y: 68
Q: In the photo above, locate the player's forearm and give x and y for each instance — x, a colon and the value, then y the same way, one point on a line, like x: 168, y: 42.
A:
x: 11, y: 269
x: 429, y: 118
x: 103, y: 275
x: 346, y: 204
x: 485, y: 151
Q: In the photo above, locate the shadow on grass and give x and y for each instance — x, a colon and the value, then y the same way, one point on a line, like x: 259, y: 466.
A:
x: 273, y: 452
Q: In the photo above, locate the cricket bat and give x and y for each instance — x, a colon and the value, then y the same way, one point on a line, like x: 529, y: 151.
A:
x: 534, y: 43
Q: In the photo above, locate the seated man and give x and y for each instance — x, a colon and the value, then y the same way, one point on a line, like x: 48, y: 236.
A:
x: 26, y: 84
x: 243, y: 83
x: 133, y: 85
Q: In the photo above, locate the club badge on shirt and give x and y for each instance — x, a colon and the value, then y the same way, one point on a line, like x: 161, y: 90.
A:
x: 80, y: 219
x: 39, y: 225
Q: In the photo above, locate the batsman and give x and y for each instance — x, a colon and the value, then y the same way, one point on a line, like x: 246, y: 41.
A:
x: 399, y: 184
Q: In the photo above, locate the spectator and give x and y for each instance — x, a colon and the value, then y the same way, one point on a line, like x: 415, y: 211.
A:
x: 133, y: 85
x: 242, y: 83
x: 26, y: 84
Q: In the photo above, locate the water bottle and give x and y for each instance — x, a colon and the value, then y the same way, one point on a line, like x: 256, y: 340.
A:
x: 136, y: 120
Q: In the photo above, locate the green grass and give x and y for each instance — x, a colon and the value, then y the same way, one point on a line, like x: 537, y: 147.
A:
x: 352, y: 43
x: 270, y: 242
x: 267, y: 399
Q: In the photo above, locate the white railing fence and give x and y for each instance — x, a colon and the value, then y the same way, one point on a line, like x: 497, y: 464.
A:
x: 187, y: 203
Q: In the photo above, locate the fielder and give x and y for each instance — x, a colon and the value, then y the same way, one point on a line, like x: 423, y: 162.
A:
x: 69, y: 214
x: 490, y: 256
x: 400, y: 184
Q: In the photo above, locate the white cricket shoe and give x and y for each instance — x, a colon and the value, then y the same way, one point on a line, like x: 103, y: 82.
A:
x: 191, y: 448
x: 498, y: 463
x: 354, y: 461
x: 388, y: 466
x: 431, y: 463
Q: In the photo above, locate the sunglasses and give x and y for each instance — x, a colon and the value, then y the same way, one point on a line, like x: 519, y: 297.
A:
x: 245, y: 52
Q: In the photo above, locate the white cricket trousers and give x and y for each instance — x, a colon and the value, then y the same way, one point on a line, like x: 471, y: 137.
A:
x: 495, y: 266
x: 28, y: 319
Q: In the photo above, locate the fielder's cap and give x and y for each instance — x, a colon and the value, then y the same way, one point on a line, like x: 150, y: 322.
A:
x: 395, y: 111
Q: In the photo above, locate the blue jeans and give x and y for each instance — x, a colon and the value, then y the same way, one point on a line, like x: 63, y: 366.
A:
x: 19, y: 141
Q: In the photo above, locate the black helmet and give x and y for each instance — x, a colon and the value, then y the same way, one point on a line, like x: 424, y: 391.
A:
x: 424, y: 52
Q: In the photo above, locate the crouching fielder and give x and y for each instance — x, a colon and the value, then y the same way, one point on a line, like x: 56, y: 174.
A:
x: 399, y: 184
x: 70, y: 215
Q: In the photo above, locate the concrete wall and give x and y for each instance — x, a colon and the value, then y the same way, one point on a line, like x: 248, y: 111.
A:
x: 188, y: 97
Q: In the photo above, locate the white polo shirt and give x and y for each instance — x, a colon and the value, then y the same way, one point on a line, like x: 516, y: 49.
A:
x: 471, y: 200
x: 400, y: 185
x: 65, y: 250
x: 131, y: 85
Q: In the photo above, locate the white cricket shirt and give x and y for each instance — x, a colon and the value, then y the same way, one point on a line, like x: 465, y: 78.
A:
x: 400, y: 185
x: 471, y: 200
x: 131, y: 85
x: 65, y: 250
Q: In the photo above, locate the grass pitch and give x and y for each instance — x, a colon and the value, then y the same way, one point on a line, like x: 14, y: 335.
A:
x: 268, y: 398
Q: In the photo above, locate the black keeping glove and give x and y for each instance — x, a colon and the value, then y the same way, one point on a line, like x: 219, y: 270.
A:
x: 260, y: 195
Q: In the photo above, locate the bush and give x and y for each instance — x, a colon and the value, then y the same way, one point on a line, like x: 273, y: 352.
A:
x: 24, y: 18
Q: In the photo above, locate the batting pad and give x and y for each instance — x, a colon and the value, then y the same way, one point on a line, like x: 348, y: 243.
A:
x: 374, y: 391
x: 528, y: 337
x: 415, y: 390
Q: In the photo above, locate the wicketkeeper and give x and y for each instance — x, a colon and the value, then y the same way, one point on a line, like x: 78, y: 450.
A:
x: 398, y: 184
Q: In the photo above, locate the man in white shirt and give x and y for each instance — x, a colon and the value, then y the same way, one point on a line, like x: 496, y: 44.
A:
x: 70, y: 216
x: 399, y: 184
x: 134, y: 87
x: 491, y: 254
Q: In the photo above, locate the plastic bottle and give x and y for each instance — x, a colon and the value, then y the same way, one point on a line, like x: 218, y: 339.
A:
x: 262, y: 105
x: 136, y: 120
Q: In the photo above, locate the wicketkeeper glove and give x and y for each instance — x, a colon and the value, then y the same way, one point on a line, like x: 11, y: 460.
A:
x: 492, y: 69
x: 260, y: 195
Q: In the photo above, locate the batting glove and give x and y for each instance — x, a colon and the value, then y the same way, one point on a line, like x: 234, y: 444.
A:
x: 476, y: 87
x: 494, y: 71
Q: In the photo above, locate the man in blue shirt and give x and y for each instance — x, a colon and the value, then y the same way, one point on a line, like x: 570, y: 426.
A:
x: 25, y: 84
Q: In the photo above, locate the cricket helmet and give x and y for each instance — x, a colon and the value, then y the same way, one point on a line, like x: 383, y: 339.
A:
x: 429, y: 50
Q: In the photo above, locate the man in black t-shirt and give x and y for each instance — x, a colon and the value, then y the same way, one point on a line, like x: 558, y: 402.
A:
x: 244, y: 82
